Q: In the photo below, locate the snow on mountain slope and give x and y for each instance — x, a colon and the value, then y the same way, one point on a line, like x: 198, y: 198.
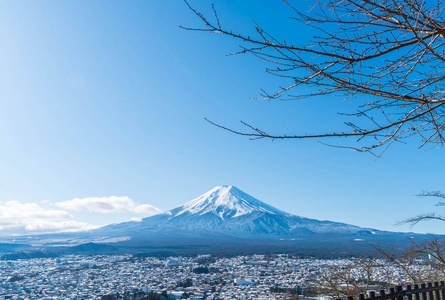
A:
x: 229, y: 211
x: 227, y: 218
x: 226, y: 202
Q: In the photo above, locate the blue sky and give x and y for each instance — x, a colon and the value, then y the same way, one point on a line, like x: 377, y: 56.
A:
x: 108, y: 98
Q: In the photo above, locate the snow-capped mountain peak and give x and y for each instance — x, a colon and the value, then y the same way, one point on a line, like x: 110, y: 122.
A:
x: 225, y: 201
x: 225, y: 211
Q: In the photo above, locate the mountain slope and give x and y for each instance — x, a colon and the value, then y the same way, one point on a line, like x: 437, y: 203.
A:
x: 228, y: 211
x: 226, y: 202
x: 227, y: 220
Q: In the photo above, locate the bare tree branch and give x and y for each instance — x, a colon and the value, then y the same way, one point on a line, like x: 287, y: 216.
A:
x: 428, y: 216
x: 385, y: 56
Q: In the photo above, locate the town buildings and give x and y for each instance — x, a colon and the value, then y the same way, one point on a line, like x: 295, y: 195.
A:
x: 241, y: 277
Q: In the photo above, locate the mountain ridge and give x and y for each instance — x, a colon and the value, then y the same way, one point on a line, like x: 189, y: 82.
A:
x: 230, y: 211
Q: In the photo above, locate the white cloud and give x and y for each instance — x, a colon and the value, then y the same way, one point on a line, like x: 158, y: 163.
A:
x: 136, y: 219
x: 112, y: 204
x: 26, y: 218
x: 64, y: 226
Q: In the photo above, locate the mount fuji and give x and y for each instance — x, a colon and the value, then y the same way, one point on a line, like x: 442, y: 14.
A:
x: 226, y: 215
x: 226, y: 210
x: 227, y: 220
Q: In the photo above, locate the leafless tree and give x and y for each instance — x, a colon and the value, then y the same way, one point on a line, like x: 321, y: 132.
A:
x: 388, y: 267
x: 435, y: 250
x: 384, y: 56
x: 404, y: 262
x: 367, y: 266
x: 428, y: 216
x: 338, y: 281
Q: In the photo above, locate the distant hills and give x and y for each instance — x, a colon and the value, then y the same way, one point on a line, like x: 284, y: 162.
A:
x: 27, y: 255
x: 90, y: 248
x: 85, y: 249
